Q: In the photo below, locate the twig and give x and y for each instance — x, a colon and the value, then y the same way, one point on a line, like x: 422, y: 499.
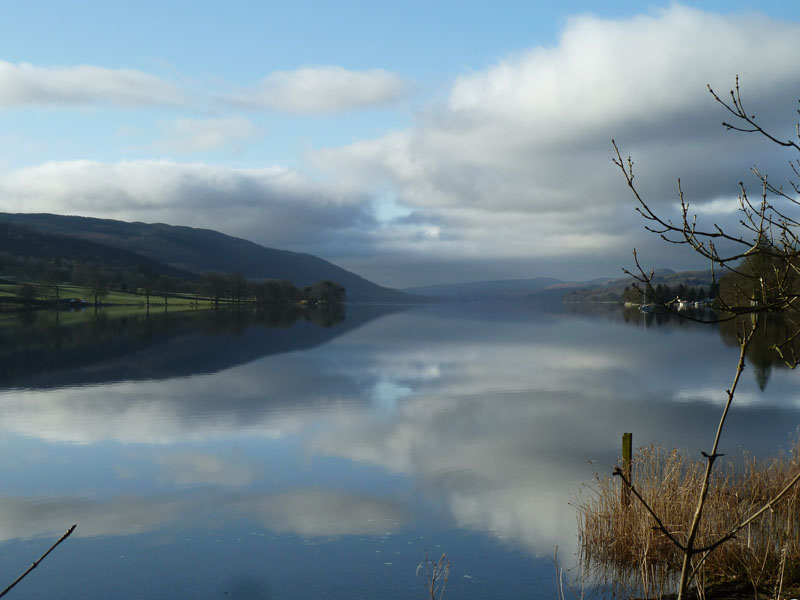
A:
x: 37, y: 561
x: 659, y: 523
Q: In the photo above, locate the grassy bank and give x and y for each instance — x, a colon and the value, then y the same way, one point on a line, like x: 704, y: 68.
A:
x: 621, y: 548
x: 9, y: 292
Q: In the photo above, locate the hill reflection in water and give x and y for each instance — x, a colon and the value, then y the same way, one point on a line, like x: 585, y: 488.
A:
x: 52, y: 349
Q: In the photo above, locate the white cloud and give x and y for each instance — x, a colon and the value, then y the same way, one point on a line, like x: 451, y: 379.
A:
x: 619, y: 72
x: 310, y: 90
x: 197, y: 135
x: 719, y: 397
x: 140, y: 414
x: 303, y: 512
x: 717, y: 206
x: 24, y: 84
x: 27, y: 518
x: 327, y: 512
x: 192, y: 468
x: 323, y: 89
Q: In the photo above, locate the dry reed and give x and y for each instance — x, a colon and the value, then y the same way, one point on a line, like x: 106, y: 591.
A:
x: 620, y: 546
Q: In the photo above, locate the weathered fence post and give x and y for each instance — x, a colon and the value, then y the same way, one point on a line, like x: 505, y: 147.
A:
x: 627, y: 456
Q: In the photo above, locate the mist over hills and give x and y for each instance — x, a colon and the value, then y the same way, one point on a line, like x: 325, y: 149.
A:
x: 180, y: 249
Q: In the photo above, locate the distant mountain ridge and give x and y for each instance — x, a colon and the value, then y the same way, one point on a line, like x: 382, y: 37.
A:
x: 611, y: 290
x: 198, y: 251
x: 549, y: 290
x: 501, y: 289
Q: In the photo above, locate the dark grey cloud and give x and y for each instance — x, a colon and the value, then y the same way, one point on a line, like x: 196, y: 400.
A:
x: 274, y: 206
x: 518, y: 162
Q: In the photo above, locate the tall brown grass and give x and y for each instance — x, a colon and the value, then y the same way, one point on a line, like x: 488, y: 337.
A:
x: 621, y: 548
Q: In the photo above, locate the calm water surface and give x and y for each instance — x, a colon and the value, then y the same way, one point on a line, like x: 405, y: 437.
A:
x: 219, y: 456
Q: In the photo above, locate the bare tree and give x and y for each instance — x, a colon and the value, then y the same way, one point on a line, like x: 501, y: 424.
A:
x: 96, y: 280
x: 757, y: 269
x: 146, y: 281
x: 238, y: 287
x: 164, y: 285
x: 52, y: 281
x: 26, y: 293
x: 325, y: 293
x: 215, y: 285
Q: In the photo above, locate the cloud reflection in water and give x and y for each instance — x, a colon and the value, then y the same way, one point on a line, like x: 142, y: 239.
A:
x: 491, y: 420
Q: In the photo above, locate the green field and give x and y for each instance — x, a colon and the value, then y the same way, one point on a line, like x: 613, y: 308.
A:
x: 114, y: 297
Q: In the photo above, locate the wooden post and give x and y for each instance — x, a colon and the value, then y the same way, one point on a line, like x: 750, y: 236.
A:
x: 627, y: 456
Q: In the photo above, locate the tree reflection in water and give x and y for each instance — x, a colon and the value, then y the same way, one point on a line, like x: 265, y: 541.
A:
x: 43, y: 348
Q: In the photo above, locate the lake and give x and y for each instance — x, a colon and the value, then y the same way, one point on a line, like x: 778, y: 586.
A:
x: 229, y: 455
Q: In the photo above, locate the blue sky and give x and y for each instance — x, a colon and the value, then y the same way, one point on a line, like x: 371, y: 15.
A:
x: 413, y: 143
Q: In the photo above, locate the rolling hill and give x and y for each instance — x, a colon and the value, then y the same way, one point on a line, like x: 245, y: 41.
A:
x: 547, y: 290
x: 18, y: 240
x: 189, y: 250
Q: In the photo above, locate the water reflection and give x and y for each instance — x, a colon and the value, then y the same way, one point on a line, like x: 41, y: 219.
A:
x: 776, y: 344
x: 427, y: 422
x: 306, y: 512
x: 53, y: 349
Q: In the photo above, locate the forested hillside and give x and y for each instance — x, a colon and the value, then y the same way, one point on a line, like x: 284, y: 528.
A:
x: 171, y: 250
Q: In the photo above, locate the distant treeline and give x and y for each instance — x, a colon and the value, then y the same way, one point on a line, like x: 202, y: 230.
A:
x: 43, y: 278
x: 236, y: 288
x: 663, y: 293
x: 689, y: 285
x: 124, y: 278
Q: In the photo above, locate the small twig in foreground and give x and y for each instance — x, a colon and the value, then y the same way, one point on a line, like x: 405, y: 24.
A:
x: 436, y: 572
x: 37, y: 561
